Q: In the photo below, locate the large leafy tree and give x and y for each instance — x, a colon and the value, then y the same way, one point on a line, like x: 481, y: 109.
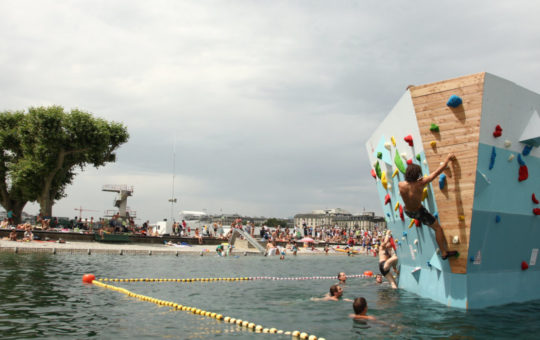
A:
x: 43, y: 148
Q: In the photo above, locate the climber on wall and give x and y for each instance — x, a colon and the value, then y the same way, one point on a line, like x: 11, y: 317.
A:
x: 411, y: 191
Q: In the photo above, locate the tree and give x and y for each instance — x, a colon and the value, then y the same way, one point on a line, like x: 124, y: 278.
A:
x: 274, y: 222
x: 45, y: 147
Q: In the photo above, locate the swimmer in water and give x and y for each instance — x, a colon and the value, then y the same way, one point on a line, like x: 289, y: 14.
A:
x: 360, y: 310
x: 342, y: 278
x: 335, y: 294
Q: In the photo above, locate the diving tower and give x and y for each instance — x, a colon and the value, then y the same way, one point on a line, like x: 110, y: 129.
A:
x: 486, y: 200
x: 120, y: 201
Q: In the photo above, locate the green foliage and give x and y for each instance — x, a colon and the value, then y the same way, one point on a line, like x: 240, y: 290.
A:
x: 274, y: 222
x: 41, y: 149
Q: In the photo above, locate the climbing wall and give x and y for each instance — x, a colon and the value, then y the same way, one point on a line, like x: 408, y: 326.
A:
x: 446, y: 129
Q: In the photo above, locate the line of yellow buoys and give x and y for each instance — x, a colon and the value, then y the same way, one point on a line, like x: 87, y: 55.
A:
x: 176, y: 306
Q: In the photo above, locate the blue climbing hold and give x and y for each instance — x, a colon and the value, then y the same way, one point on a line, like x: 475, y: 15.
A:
x: 388, y: 214
x: 454, y: 101
x: 492, y: 159
x: 497, y: 219
x: 520, y: 160
x: 428, y: 264
x: 471, y: 259
x: 436, y: 215
x: 442, y: 181
x: 404, y: 233
x: 526, y: 150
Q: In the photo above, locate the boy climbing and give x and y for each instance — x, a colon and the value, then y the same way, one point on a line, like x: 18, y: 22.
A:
x: 411, y: 191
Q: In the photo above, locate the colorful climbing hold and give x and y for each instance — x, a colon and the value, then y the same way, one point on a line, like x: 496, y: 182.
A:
x: 492, y: 158
x: 433, y: 143
x: 534, y: 199
x: 387, y: 199
x: 411, y: 223
x: 511, y: 157
x: 378, y: 169
x: 523, y: 173
x: 395, y: 173
x: 373, y: 173
x: 399, y: 163
x: 454, y: 101
x: 536, y: 211
x: 404, y: 233
x: 418, y: 157
x: 379, y: 155
x: 424, y: 193
x: 442, y: 181
x: 387, y: 146
x: 393, y: 140
x: 417, y: 223
x: 409, y: 140
x: 507, y: 143
x: 384, y: 181
x: 498, y: 131
x: 526, y: 150
x: 409, y: 161
x: 524, y: 265
x: 434, y: 127
x: 497, y: 219
x: 396, y: 207
x: 520, y: 160
x: 401, y: 213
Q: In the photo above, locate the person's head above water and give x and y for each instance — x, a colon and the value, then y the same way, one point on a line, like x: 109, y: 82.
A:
x: 336, y: 291
x: 413, y: 173
x: 360, y: 306
x: 378, y: 278
x: 342, y: 277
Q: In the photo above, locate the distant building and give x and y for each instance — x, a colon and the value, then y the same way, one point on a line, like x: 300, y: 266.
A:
x: 341, y: 218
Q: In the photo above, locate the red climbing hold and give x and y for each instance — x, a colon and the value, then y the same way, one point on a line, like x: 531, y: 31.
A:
x: 387, y: 199
x: 409, y: 140
x: 536, y: 211
x: 534, y: 199
x: 417, y: 223
x: 497, y: 132
x: 523, y: 173
x: 373, y: 173
x: 409, y: 161
x: 524, y: 265
x: 401, y: 213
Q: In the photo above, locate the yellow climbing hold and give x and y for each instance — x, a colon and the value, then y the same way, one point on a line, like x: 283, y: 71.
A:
x: 395, y: 173
x: 393, y: 140
x: 411, y: 224
x: 433, y: 143
x: 384, y: 181
x: 424, y: 194
x: 396, y: 207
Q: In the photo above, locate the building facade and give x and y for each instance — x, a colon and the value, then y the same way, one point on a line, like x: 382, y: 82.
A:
x: 340, y: 218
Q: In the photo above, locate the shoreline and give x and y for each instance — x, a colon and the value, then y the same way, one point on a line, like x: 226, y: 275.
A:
x: 89, y: 248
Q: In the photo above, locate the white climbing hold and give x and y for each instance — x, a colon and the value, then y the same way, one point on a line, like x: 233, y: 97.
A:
x: 424, y: 161
x: 416, y: 269
x: 388, y: 146
x: 507, y: 143
x: 404, y: 155
x: 389, y: 186
x: 416, y: 242
x: 511, y: 157
x: 455, y: 239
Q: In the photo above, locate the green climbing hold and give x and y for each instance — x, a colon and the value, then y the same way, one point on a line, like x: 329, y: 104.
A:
x: 399, y: 163
x: 379, y: 155
x: 434, y: 127
x: 378, y: 170
x: 418, y: 158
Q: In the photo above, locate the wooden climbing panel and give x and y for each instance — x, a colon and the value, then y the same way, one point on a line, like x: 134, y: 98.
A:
x: 459, y: 133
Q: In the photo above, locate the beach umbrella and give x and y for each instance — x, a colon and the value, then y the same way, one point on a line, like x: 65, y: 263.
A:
x: 306, y: 239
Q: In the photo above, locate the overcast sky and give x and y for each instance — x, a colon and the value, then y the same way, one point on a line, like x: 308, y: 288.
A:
x: 270, y: 102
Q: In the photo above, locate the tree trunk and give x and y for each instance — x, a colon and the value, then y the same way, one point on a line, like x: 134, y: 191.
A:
x: 45, y: 206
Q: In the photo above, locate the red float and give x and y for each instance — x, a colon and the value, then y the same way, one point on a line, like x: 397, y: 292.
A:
x: 368, y: 273
x: 88, y: 278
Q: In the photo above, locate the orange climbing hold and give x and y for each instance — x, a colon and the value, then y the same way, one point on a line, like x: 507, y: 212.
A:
x: 387, y: 199
x: 373, y: 173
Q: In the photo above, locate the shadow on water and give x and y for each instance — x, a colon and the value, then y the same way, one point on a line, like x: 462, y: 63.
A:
x: 41, y: 296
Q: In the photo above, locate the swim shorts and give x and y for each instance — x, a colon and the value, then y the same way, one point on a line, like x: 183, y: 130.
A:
x: 421, y: 215
x: 381, y: 268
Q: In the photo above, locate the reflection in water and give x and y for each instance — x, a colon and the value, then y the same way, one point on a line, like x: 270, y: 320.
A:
x: 41, y: 296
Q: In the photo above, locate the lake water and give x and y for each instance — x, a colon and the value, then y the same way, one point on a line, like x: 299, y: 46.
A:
x: 41, y: 296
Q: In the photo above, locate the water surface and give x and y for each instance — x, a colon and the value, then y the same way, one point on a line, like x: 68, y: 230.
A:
x: 41, y: 296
